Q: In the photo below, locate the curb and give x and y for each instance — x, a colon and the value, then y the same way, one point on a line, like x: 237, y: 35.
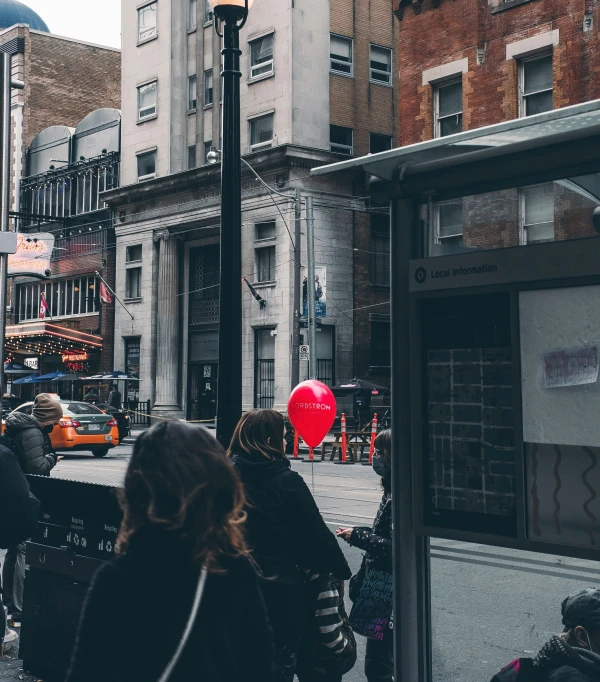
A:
x: 11, y: 643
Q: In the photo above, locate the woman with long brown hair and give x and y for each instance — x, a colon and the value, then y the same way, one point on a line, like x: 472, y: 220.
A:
x: 181, y: 601
x: 285, y: 531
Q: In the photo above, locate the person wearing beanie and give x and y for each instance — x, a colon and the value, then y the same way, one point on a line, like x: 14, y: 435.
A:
x: 30, y: 433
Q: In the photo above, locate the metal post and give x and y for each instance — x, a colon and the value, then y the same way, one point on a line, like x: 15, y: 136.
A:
x: 310, y: 288
x: 410, y: 552
x: 229, y: 394
x: 4, y: 199
x: 297, y: 302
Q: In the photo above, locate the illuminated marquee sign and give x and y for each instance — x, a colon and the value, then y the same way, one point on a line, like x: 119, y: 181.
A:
x: 75, y: 357
x: 33, y: 253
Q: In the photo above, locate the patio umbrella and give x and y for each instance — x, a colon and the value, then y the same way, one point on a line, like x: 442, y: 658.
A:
x: 358, y: 387
x: 31, y: 379
x: 55, y: 376
x: 17, y: 368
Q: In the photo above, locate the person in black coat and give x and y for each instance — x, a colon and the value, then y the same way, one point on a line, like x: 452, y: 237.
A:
x: 285, y: 531
x: 377, y: 543
x: 183, y: 510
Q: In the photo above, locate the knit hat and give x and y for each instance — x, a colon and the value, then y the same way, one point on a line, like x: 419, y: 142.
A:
x: 46, y: 409
x: 582, y: 608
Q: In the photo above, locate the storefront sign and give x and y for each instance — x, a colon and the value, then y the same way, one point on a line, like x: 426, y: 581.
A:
x: 75, y: 357
x: 204, y: 347
x: 32, y: 363
x: 33, y: 253
x: 132, y: 356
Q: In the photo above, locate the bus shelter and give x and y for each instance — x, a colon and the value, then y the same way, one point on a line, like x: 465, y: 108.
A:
x: 495, y: 319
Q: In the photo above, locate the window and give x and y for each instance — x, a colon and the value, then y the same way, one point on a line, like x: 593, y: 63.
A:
x: 133, y: 254
x: 537, y: 214
x: 64, y: 298
x: 448, y: 105
x: 208, y: 87
x: 192, y: 93
x: 266, y: 230
x: 192, y: 15
x: 261, y: 132
x: 208, y: 13
x: 536, y: 85
x: 381, y: 65
x: 381, y: 355
x: 192, y: 156
x: 341, y: 139
x: 448, y: 222
x: 265, y: 264
x: 146, y: 22
x: 132, y: 356
x: 264, y: 370
x: 379, y: 143
x: 379, y: 251
x: 207, y: 147
x: 340, y: 52
x: 146, y: 164
x: 261, y: 56
x: 133, y: 283
x: 146, y: 101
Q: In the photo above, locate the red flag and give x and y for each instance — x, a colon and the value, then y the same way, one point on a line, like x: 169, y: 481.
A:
x: 43, y: 306
x: 105, y: 296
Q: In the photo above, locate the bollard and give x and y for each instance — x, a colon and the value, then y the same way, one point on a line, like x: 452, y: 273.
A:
x: 296, y: 444
x: 373, y: 435
x: 311, y: 454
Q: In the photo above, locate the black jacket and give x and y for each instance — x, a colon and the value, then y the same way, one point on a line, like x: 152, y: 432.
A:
x: 26, y: 431
x: 137, y: 609
x: 19, y: 509
x: 377, y: 542
x: 285, y: 528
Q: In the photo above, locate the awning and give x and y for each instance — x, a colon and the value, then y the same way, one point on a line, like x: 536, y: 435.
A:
x: 46, y: 338
x: 13, y: 367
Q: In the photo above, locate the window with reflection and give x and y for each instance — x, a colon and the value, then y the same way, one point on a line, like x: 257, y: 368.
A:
x: 448, y: 108
x: 536, y: 84
x: 147, y: 22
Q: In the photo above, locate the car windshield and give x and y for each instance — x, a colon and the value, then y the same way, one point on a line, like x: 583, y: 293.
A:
x: 81, y: 408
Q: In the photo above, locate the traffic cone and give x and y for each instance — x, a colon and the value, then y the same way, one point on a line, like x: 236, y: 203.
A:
x: 344, y: 457
x: 373, y: 436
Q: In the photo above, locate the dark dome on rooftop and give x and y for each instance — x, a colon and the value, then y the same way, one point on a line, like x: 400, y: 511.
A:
x: 13, y: 12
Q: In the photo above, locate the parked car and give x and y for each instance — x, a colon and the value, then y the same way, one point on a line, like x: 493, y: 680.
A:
x: 82, y: 427
x: 122, y: 419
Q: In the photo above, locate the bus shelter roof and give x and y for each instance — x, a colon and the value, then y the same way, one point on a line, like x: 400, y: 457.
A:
x: 559, y: 143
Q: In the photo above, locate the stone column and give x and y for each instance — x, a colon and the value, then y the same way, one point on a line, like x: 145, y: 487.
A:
x: 167, y: 402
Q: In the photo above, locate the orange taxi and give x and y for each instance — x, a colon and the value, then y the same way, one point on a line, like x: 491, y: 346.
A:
x: 82, y: 427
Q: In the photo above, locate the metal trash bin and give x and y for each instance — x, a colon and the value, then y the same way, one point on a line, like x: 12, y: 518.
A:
x: 76, y: 533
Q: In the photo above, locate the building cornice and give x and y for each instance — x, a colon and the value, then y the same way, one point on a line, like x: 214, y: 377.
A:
x: 207, y: 179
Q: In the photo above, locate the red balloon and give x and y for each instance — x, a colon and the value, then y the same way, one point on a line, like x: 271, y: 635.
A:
x: 311, y: 409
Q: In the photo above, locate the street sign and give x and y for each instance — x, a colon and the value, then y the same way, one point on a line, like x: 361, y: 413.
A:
x: 304, y: 351
x: 304, y: 323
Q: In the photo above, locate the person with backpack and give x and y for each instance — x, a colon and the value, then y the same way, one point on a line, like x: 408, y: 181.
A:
x: 573, y: 656
x: 183, y: 535
x: 285, y: 530
x: 27, y: 435
x: 377, y: 543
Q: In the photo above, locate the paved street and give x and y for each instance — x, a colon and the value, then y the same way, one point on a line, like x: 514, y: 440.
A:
x: 489, y: 605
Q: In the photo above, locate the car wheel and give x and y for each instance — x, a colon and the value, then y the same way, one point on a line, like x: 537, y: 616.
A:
x: 100, y: 452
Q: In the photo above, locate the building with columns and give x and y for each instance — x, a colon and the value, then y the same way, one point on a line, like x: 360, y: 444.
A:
x: 316, y: 85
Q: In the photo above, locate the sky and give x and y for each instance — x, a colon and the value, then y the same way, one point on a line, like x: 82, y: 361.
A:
x: 93, y: 21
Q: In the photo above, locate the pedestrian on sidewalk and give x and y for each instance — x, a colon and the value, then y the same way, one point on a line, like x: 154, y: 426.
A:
x: 377, y: 543
x: 285, y: 531
x: 183, y: 519
x: 574, y: 656
x: 31, y: 436
x: 114, y: 397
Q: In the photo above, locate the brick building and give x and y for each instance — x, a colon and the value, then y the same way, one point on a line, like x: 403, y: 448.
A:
x: 66, y: 143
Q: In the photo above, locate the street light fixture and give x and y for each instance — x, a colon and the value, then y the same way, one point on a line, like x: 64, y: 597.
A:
x: 230, y: 16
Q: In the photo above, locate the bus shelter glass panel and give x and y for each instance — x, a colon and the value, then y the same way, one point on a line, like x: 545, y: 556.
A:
x: 560, y: 342
x: 469, y: 448
x: 552, y: 211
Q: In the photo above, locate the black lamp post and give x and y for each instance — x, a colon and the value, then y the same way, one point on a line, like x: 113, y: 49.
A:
x: 230, y: 16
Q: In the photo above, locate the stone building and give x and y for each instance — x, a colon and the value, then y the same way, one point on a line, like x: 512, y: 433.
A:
x: 317, y: 84
x: 66, y: 142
